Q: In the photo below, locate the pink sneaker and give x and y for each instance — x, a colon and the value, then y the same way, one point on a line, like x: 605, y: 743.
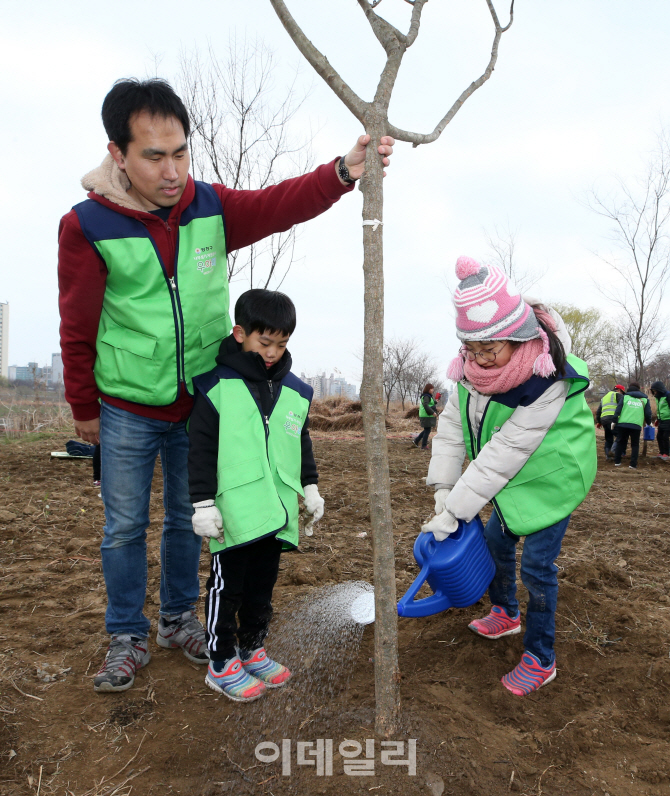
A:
x: 269, y: 672
x: 497, y: 624
x: 528, y: 675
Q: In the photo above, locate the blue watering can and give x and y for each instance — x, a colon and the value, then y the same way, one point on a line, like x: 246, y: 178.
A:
x: 458, y: 570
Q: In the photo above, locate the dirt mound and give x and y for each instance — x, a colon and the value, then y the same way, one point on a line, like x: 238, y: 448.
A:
x: 348, y: 421
x: 411, y: 413
x: 335, y: 405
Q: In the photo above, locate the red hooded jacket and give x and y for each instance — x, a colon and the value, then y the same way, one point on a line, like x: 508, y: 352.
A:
x: 249, y: 216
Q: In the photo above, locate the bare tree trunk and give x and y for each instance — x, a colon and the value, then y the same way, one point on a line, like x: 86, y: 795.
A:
x: 387, y: 676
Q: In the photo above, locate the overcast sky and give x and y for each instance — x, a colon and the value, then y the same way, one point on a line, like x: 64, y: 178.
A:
x: 579, y: 94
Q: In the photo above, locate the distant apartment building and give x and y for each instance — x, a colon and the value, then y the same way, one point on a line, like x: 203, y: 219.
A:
x: 49, y: 375
x: 56, y: 370
x: 4, y: 339
x: 28, y: 373
x: 324, y: 386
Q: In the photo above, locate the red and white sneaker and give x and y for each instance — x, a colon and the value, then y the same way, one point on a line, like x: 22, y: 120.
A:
x: 528, y: 675
x: 270, y: 672
x: 497, y: 624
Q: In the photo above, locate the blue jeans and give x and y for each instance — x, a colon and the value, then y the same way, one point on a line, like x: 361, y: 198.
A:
x: 129, y: 445
x: 538, y: 575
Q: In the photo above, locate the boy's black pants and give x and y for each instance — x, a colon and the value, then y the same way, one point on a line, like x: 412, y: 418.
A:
x: 240, y: 583
x: 622, y: 437
x: 663, y: 437
x: 606, y: 423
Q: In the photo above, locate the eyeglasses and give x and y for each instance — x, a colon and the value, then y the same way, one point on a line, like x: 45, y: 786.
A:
x: 486, y: 356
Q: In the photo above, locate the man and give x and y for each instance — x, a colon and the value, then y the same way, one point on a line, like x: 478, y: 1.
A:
x: 631, y: 414
x: 144, y: 306
x: 605, y: 415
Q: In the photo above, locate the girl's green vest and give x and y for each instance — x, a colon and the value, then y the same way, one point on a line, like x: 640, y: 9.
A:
x: 156, y: 332
x: 608, y: 404
x: 259, y: 459
x: 422, y: 409
x: 632, y: 410
x: 558, y: 475
x: 662, y: 409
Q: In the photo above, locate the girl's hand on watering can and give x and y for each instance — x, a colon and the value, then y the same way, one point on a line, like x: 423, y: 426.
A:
x: 441, y: 526
x: 441, y: 496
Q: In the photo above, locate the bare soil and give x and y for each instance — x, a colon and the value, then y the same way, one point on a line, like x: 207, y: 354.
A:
x: 602, y: 727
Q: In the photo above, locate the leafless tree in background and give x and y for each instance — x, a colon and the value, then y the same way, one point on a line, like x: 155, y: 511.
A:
x: 639, y: 215
x: 242, y: 136
x: 600, y: 341
x: 502, y: 244
x: 399, y: 356
x: 374, y: 117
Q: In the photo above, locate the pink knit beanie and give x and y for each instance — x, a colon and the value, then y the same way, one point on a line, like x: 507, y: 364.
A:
x: 489, y: 307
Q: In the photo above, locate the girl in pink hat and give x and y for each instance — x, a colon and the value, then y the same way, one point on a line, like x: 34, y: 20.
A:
x: 520, y: 415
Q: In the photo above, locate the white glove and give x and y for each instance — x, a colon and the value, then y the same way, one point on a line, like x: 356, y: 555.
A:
x: 441, y: 526
x: 207, y: 520
x: 441, y: 496
x: 314, y: 504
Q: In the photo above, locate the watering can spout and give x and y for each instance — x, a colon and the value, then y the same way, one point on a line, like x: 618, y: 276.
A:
x: 458, y: 570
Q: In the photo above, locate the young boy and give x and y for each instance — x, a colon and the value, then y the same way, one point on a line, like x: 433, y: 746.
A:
x: 250, y: 456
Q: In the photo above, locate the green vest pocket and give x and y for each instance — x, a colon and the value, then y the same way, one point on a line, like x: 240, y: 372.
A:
x: 214, y: 331
x: 541, y: 478
x: 294, y: 483
x: 142, y: 345
x: 239, y: 474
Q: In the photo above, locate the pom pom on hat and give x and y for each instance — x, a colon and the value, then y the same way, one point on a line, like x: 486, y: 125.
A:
x: 466, y: 266
x: 544, y: 364
x: 455, y: 371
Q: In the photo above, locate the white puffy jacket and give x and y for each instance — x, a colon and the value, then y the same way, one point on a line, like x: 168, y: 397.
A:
x: 503, y: 456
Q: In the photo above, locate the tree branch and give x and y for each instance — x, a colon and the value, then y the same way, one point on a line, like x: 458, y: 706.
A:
x: 387, y: 35
x: 319, y: 62
x: 428, y: 138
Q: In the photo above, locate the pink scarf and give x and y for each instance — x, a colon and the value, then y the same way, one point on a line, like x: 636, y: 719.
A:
x: 492, y: 381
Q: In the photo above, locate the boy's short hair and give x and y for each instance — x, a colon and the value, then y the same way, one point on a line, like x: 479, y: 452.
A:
x: 265, y: 311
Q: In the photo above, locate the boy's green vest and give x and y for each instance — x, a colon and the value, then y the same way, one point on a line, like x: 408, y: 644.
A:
x: 608, y: 404
x: 422, y: 409
x: 258, y: 475
x: 662, y: 409
x: 157, y: 332
x: 632, y: 410
x: 558, y: 475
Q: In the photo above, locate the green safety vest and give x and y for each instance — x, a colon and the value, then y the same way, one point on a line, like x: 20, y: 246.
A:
x: 260, y: 459
x: 608, y: 404
x: 156, y: 332
x: 558, y: 475
x: 422, y: 409
x: 662, y: 408
x: 632, y: 410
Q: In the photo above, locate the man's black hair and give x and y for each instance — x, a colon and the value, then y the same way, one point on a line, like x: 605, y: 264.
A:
x: 131, y: 96
x: 265, y: 311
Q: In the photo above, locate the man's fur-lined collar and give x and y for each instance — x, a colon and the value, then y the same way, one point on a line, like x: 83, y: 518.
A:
x: 109, y: 181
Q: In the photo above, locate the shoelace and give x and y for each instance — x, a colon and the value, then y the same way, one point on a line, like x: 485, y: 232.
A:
x: 119, y: 652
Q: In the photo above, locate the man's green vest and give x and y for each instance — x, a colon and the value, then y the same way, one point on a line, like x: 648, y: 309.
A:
x: 662, y: 408
x: 608, y: 404
x: 258, y: 477
x: 422, y: 409
x: 558, y: 475
x: 156, y: 332
x: 632, y: 411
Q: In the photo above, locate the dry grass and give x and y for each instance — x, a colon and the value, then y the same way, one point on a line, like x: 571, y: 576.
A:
x: 24, y: 414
